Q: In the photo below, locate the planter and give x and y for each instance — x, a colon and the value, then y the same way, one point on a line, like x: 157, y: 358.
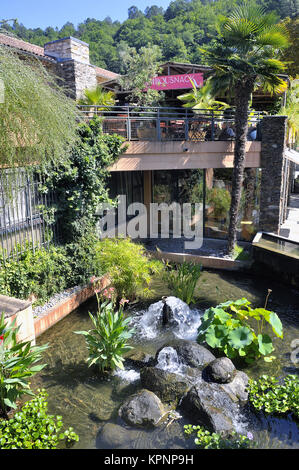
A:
x: 30, y: 327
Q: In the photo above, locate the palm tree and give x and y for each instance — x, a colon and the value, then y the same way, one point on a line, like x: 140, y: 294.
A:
x: 201, y: 98
x: 98, y: 99
x: 245, y: 57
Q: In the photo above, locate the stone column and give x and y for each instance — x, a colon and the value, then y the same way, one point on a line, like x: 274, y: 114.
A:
x: 273, y: 147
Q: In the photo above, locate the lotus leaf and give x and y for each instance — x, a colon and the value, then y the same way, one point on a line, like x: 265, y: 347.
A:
x: 215, y: 335
x: 265, y: 344
x: 240, y: 337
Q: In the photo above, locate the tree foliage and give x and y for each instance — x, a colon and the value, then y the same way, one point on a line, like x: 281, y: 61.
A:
x: 37, y: 121
x: 179, y: 30
x: 80, y: 183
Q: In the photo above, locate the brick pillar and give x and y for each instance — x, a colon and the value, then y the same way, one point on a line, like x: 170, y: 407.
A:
x: 273, y: 146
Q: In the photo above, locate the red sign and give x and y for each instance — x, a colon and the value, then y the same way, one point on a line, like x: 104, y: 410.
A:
x: 174, y: 82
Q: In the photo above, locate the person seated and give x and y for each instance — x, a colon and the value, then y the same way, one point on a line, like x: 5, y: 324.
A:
x: 227, y: 132
x: 252, y: 133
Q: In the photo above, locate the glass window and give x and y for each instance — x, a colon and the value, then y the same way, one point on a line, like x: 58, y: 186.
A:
x: 218, y: 200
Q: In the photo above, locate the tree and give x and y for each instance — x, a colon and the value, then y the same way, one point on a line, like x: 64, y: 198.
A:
x: 38, y: 122
x: 291, y: 110
x: 134, y: 12
x: 290, y: 54
x: 201, y: 98
x: 141, y: 68
x: 244, y: 57
x: 152, y: 11
x: 98, y: 97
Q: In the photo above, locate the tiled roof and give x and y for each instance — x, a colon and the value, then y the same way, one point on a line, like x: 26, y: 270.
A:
x: 106, y: 73
x: 21, y: 45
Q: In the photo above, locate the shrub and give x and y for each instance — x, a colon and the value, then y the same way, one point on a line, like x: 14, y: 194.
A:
x: 129, y: 267
x: 45, y: 272
x: 226, y: 328
x: 207, y: 440
x: 42, y: 272
x: 182, y: 280
x: 268, y: 395
x: 17, y: 364
x: 107, y: 341
x: 33, y: 428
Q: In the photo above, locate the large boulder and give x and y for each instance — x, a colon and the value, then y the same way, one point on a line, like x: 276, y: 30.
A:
x: 191, y: 353
x: 169, y: 387
x: 143, y: 409
x: 211, y: 406
x: 221, y: 370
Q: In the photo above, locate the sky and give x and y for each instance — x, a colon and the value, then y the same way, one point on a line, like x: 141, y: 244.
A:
x: 34, y: 13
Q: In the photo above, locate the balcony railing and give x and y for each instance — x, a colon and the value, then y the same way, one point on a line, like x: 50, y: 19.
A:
x: 169, y: 124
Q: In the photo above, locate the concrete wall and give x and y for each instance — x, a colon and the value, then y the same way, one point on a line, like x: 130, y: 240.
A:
x: 142, y: 156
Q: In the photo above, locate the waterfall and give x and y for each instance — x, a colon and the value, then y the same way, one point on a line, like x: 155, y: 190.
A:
x: 184, y: 324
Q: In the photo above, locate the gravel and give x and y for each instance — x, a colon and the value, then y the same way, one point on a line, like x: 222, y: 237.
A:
x: 41, y: 309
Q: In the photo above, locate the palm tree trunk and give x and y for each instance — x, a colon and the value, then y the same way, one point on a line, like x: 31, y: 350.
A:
x: 242, y: 98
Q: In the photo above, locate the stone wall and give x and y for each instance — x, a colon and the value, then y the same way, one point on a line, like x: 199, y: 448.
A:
x: 76, y: 77
x: 273, y: 166
x: 68, y: 48
x: 72, y: 65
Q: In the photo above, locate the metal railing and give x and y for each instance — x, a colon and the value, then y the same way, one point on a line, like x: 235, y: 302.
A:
x: 24, y: 214
x: 168, y: 124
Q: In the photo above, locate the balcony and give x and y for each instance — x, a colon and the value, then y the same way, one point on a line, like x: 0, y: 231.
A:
x: 166, y: 124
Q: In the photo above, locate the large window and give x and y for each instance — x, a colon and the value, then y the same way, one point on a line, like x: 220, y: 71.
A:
x: 218, y: 199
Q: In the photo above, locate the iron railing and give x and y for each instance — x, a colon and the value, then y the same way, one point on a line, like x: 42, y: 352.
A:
x: 166, y: 123
x: 25, y: 214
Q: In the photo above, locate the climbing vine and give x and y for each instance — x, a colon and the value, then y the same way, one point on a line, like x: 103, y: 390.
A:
x: 80, y: 184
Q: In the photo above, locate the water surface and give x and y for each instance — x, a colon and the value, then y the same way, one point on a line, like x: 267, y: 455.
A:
x: 87, y: 401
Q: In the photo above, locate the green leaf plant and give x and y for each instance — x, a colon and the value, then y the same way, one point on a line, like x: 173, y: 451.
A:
x: 107, y: 341
x: 238, y: 330
x: 18, y: 362
x: 182, y: 280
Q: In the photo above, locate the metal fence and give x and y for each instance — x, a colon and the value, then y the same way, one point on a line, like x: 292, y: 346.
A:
x: 25, y: 214
x: 168, y: 124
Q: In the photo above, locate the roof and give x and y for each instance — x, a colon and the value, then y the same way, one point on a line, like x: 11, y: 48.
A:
x: 106, y: 73
x: 39, y: 51
x: 22, y: 45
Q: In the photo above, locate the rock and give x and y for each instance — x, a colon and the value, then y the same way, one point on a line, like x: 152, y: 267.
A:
x: 211, y: 406
x: 220, y: 370
x: 237, y: 389
x: 191, y: 353
x: 139, y: 359
x: 167, y: 314
x: 114, y: 436
x: 168, y: 386
x: 143, y: 409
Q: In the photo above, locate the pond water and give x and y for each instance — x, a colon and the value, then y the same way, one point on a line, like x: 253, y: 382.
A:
x: 87, y: 401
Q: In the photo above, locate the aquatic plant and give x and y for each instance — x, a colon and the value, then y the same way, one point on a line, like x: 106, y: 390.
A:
x: 268, y: 395
x: 182, y: 280
x: 107, y: 341
x: 33, y: 428
x: 128, y: 266
x: 228, y: 328
x: 17, y: 364
x: 211, y: 440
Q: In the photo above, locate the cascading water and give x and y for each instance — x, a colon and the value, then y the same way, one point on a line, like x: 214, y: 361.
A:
x: 184, y: 324
x: 169, y: 361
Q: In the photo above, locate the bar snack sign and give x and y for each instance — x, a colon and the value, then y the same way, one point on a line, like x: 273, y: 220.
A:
x: 174, y: 82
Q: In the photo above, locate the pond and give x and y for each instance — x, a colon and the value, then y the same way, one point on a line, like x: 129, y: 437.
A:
x: 86, y: 401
